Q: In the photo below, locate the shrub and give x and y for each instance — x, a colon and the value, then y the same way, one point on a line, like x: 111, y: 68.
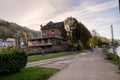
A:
x: 105, y: 50
x: 12, y: 61
x: 114, y: 58
x: 119, y: 66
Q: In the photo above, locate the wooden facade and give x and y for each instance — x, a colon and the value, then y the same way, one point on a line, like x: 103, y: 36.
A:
x: 51, y: 44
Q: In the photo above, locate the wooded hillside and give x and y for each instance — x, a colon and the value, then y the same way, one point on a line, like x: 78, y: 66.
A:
x: 9, y: 29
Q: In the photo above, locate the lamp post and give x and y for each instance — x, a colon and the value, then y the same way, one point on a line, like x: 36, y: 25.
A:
x: 18, y: 39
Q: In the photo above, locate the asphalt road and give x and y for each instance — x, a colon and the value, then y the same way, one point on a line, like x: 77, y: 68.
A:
x: 89, y: 66
x: 83, y: 66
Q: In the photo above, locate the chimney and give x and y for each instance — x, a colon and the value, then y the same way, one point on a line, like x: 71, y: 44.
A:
x: 41, y: 26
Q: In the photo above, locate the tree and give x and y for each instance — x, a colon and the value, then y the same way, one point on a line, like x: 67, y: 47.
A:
x: 94, y: 41
x: 5, y: 32
x: 29, y: 35
x: 78, y: 34
x: 64, y: 32
x: 8, y: 29
x: 97, y: 40
x: 23, y: 34
x: 84, y: 35
x: 95, y: 33
x: 24, y: 37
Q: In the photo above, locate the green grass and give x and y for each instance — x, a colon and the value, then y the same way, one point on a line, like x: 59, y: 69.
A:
x: 31, y: 73
x: 47, y: 56
x: 113, y: 57
x: 105, y: 50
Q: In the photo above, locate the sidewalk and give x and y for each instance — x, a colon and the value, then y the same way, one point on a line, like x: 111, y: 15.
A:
x: 50, y: 61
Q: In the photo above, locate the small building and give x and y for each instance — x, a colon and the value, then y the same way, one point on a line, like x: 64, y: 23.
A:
x: 9, y: 42
x: 1, y: 42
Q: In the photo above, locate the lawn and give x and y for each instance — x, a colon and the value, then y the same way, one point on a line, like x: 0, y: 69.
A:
x: 48, y: 56
x: 31, y: 73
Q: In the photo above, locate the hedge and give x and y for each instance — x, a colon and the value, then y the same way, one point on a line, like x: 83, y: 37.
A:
x: 12, y: 61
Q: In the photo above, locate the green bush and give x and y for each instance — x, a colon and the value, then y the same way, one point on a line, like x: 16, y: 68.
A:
x: 105, y: 50
x: 114, y: 58
x: 12, y: 61
x: 119, y: 66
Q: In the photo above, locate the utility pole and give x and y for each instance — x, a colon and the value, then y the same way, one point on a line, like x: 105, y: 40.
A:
x: 113, y: 46
x: 18, y: 39
x: 119, y: 5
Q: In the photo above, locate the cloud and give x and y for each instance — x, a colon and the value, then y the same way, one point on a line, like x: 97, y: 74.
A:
x: 95, y: 14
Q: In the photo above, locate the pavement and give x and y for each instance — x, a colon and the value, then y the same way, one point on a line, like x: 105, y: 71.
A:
x: 51, y: 61
x: 83, y: 66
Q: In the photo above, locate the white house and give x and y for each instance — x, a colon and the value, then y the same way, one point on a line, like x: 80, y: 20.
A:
x: 1, y: 42
x: 8, y: 42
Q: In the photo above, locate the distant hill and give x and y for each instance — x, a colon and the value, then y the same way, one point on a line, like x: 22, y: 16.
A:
x: 9, y: 30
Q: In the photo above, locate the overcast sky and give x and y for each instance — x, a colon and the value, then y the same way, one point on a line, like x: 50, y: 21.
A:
x: 95, y: 14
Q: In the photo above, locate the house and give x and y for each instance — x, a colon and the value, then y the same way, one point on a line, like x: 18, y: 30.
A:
x: 52, y: 30
x: 9, y: 42
x: 51, y: 40
x: 1, y: 42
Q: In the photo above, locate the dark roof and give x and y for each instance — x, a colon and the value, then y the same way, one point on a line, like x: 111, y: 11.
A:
x: 53, y: 25
x: 49, y: 23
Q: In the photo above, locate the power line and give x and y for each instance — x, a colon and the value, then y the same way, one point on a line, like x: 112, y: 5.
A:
x: 60, y: 12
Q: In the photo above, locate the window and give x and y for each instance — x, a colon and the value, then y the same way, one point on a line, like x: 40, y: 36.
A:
x: 44, y: 34
x: 53, y: 32
x: 46, y: 41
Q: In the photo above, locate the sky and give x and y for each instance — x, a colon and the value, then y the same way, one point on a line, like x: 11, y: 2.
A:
x: 94, y: 14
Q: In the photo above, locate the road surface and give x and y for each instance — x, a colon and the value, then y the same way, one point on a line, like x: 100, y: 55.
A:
x: 91, y: 66
x: 84, y: 66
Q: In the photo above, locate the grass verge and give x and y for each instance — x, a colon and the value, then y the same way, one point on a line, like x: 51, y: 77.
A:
x: 113, y: 57
x: 48, y: 56
x: 31, y: 73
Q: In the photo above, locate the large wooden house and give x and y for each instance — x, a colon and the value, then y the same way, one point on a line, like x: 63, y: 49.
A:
x: 51, y: 40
